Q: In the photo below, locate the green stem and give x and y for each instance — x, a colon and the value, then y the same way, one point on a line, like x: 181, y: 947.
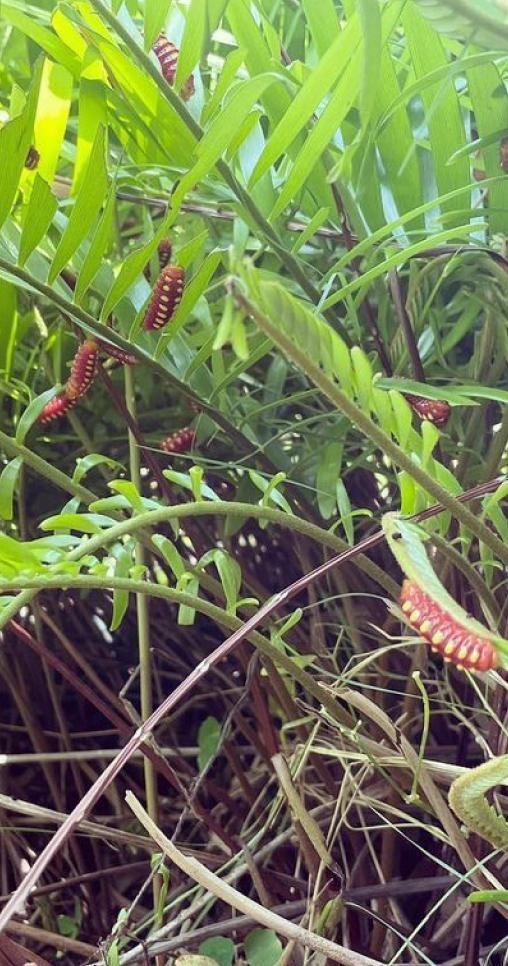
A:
x: 223, y: 508
x: 45, y: 469
x: 295, y: 268
x: 145, y: 657
x: 374, y: 432
x: 217, y: 614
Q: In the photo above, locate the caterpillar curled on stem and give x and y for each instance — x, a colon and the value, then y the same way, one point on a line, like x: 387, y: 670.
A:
x: 467, y: 800
x: 84, y: 367
x: 166, y: 295
x: 167, y: 55
x: 445, y: 635
x: 55, y: 408
x: 437, y: 411
x: 179, y: 442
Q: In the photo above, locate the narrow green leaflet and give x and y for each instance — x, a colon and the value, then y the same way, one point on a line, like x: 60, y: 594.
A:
x: 15, y: 139
x: 123, y: 565
x: 490, y: 105
x: 231, y: 65
x: 442, y: 108
x: 39, y: 215
x: 327, y: 475
x: 156, y: 13
x: 208, y: 740
x: 323, y: 23
x: 51, y: 118
x: 8, y: 326
x: 31, y: 412
x: 222, y: 131
x: 8, y: 481
x: 369, y: 13
x: 85, y: 208
x: 93, y: 111
x: 192, y: 43
x: 308, y: 98
x: 43, y: 37
x: 98, y: 246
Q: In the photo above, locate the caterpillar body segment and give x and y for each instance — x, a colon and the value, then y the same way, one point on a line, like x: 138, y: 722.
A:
x: 55, y: 408
x: 178, y: 442
x: 454, y: 641
x: 167, y: 55
x: 166, y: 295
x: 437, y: 411
x: 84, y: 367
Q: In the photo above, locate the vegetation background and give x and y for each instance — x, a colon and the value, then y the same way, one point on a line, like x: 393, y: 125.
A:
x: 336, y: 190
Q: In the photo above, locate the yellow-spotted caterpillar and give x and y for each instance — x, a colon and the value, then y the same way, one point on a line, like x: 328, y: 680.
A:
x: 178, y: 442
x: 448, y: 628
x: 164, y: 250
x: 447, y: 636
x: 84, y: 367
x: 166, y: 295
x: 436, y: 410
x: 167, y: 55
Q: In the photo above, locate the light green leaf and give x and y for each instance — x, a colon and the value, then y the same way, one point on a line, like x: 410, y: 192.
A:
x: 220, y: 948
x: 231, y: 65
x: 155, y: 15
x: 83, y: 522
x: 51, y: 117
x: 44, y: 38
x: 327, y: 475
x: 86, y: 463
x: 192, y: 43
x: 15, y: 139
x: 8, y: 481
x: 490, y: 106
x: 93, y: 112
x: 308, y: 98
x: 221, y: 132
x: 403, y: 417
x: 344, y: 507
x: 85, y: 208
x: 369, y: 14
x: 31, y: 412
x: 98, y: 246
x: 208, y: 740
x: 262, y: 947
x: 129, y: 491
x: 170, y: 553
x: 323, y: 23
x: 39, y: 215
x: 8, y: 326
x: 120, y: 597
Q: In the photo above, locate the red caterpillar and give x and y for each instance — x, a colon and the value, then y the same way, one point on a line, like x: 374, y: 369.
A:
x: 436, y: 410
x: 32, y: 159
x: 84, y: 367
x: 112, y: 350
x: 178, y: 442
x: 167, y: 55
x: 55, y: 407
x: 445, y: 635
x: 166, y: 295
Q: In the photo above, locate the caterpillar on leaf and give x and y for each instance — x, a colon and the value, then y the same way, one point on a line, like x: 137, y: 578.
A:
x: 437, y: 411
x: 430, y: 609
x: 84, y: 367
x: 166, y: 295
x: 167, y: 55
